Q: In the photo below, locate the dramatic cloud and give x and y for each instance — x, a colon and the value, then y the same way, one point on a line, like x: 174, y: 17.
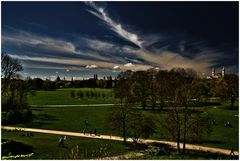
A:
x: 114, y: 26
x: 86, y: 46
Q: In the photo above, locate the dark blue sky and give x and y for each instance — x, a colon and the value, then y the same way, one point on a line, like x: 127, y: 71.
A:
x: 80, y: 39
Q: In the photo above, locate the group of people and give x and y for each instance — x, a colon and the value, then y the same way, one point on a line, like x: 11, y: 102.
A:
x: 91, y: 131
x: 228, y: 125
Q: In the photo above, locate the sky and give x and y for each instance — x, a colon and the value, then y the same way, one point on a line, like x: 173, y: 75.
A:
x: 80, y: 39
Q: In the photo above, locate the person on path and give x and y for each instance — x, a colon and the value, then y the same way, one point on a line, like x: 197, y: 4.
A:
x: 95, y: 132
x: 61, y: 140
x: 86, y: 122
x: 232, y: 153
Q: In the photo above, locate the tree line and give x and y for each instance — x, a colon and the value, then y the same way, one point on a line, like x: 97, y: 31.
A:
x: 176, y: 91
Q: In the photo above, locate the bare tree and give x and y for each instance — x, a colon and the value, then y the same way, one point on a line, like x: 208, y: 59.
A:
x: 124, y: 96
x: 9, y: 67
x: 181, y: 118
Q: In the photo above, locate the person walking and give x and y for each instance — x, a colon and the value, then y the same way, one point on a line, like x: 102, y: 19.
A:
x: 60, y: 141
x: 95, y: 132
x: 232, y: 153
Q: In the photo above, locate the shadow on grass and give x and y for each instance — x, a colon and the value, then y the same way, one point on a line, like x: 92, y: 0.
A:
x: 37, y: 109
x: 164, y: 151
x: 40, y: 120
x: 45, y: 117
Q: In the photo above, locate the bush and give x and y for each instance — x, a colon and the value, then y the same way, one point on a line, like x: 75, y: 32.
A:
x: 16, y: 117
x: 15, y: 150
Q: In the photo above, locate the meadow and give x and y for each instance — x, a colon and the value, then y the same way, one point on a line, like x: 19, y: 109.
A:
x: 45, y: 146
x: 63, y: 97
x: 70, y: 118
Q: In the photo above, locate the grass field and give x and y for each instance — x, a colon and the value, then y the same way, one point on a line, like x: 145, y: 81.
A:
x: 45, y: 146
x: 72, y: 119
x: 220, y: 137
x: 63, y: 97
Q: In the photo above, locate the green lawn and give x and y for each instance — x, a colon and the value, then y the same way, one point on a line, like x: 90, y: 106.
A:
x: 72, y: 118
x: 220, y: 137
x: 45, y: 146
x: 63, y: 96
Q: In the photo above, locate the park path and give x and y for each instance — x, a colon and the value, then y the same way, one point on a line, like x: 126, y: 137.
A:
x: 72, y: 105
x: 109, y: 137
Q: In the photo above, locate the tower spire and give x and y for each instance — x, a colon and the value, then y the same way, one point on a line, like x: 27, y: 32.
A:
x: 223, y: 72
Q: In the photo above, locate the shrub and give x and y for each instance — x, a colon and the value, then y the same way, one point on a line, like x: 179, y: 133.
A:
x: 16, y: 117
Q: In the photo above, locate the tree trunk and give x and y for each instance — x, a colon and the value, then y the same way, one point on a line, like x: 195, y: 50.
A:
x: 123, y: 122
x: 162, y: 104
x: 232, y: 101
x: 153, y: 104
x: 184, y: 133
x: 178, y: 145
x: 144, y: 104
x: 124, y: 130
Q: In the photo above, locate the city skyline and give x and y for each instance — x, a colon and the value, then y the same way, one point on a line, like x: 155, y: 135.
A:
x: 80, y: 39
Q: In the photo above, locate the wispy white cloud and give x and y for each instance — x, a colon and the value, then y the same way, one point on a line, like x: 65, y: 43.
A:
x: 23, y: 38
x: 116, y: 67
x: 114, y: 26
x: 160, y: 57
x: 80, y: 62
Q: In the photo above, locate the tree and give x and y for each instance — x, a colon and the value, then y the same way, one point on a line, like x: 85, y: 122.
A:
x: 49, y: 85
x: 162, y: 86
x: 140, y: 87
x: 14, y: 93
x: 180, y: 118
x: 9, y: 67
x: 140, y: 126
x: 227, y: 88
x: 124, y: 97
x: 35, y: 84
x: 153, y: 87
x: 200, y: 90
x: 58, y: 79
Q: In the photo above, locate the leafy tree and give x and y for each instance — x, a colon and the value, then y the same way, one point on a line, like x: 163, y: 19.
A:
x: 49, y: 85
x: 162, y: 86
x: 72, y: 94
x: 140, y: 126
x: 140, y: 87
x: 153, y: 87
x: 80, y: 94
x: 200, y: 90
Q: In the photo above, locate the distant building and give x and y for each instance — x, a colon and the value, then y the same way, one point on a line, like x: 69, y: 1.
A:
x: 223, y: 72
x: 216, y: 76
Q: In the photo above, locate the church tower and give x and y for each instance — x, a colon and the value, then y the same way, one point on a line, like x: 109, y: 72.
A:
x: 223, y: 72
x: 213, y: 72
